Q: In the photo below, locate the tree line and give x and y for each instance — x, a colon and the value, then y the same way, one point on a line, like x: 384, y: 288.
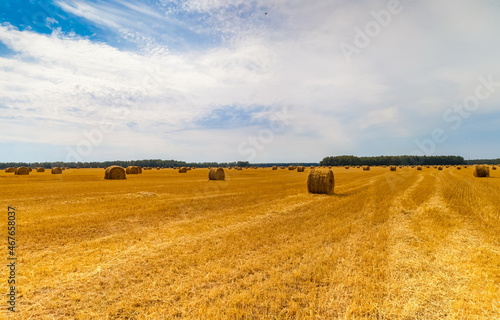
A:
x: 391, y: 160
x: 142, y: 163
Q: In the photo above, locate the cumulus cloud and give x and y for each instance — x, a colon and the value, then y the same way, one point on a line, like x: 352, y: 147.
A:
x: 206, y: 75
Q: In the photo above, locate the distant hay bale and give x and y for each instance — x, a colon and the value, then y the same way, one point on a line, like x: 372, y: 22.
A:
x: 493, y: 168
x: 239, y: 168
x: 392, y: 168
x: 133, y: 170
x: 459, y: 168
x: 275, y: 168
x: 282, y: 168
x: 481, y: 171
x: 320, y: 181
x: 440, y: 168
x: 216, y: 174
x: 22, y: 171
x: 292, y: 167
x: 183, y: 170
x: 115, y: 173
x: 30, y: 169
x: 346, y: 167
x: 366, y: 168
x: 10, y: 169
x: 419, y: 168
x: 40, y: 169
x: 311, y: 167
x: 301, y: 168
x: 56, y: 170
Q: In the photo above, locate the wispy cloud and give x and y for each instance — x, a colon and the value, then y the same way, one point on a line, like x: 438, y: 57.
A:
x: 205, y: 73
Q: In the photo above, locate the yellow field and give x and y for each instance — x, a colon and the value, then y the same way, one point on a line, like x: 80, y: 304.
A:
x: 163, y: 245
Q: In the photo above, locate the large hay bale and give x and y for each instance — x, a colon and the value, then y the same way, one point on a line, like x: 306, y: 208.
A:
x: 133, y: 170
x: 115, y: 173
x: 275, y: 168
x: 22, y: 171
x: 216, y: 174
x: 301, y: 168
x: 183, y: 170
x: 481, y: 171
x: 56, y: 170
x: 392, y: 168
x: 10, y: 169
x: 40, y: 169
x: 320, y: 181
x: 366, y: 168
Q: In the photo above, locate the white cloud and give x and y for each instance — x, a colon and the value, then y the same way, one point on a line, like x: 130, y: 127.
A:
x: 398, y: 86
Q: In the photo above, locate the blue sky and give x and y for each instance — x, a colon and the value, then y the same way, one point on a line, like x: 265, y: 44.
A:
x: 263, y: 81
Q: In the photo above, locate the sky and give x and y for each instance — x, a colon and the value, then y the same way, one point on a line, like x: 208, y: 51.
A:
x: 239, y: 80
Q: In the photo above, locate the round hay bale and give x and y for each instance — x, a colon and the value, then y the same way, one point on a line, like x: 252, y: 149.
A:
x: 22, y: 171
x: 366, y: 168
x: 56, y: 170
x: 30, y: 169
x: 115, y: 173
x: 459, y: 168
x: 40, y: 169
x: 282, y: 168
x: 346, y: 167
x: 320, y: 181
x: 392, y: 168
x: 481, y: 171
x: 301, y: 168
x: 216, y: 174
x: 493, y: 168
x: 275, y: 168
x: 292, y: 167
x: 183, y: 170
x: 133, y: 170
x: 419, y: 168
x: 440, y: 168
x: 10, y: 169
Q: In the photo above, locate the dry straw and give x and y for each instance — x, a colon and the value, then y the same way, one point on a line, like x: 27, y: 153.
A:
x: 115, y: 173
x: 133, y: 170
x: 481, y: 171
x: 10, y: 169
x: 22, y: 171
x: 321, y: 181
x: 301, y: 168
x: 183, y: 170
x: 56, y: 170
x: 216, y: 174
x: 40, y: 169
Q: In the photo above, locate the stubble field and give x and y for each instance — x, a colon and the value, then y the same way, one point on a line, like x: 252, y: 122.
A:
x: 163, y: 245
